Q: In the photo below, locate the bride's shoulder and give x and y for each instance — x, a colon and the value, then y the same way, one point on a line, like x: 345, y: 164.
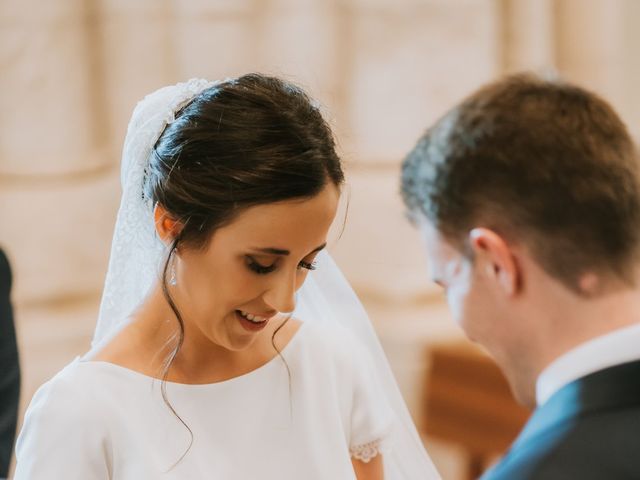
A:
x: 74, y: 381
x: 70, y: 395
x: 65, y: 416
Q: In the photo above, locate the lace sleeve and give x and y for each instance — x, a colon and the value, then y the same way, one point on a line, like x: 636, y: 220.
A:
x: 372, y: 418
x: 367, y: 451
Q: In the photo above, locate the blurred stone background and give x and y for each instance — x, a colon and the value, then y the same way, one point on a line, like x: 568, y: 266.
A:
x: 72, y: 71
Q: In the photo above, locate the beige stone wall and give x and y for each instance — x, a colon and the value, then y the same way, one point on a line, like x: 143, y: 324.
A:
x: 72, y: 71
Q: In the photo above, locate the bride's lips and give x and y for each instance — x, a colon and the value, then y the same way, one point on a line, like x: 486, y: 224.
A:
x: 249, y: 325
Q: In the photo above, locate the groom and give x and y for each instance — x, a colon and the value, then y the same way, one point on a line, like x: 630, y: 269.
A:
x: 528, y: 199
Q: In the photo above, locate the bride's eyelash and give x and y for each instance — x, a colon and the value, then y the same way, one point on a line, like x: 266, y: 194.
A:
x: 265, y: 269
x: 259, y: 268
x: 307, y: 265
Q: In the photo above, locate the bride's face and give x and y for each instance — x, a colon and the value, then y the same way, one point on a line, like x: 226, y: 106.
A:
x: 250, y: 270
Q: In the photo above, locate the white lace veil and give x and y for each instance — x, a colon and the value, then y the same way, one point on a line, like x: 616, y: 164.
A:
x: 137, y: 255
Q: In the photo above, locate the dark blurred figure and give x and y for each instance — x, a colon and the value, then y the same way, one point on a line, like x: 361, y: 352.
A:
x: 9, y: 370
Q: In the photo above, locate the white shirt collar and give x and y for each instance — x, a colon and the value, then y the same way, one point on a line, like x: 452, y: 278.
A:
x: 614, y: 348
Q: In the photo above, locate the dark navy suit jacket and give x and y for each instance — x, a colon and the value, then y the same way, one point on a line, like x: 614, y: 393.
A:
x: 9, y: 370
x: 588, y: 430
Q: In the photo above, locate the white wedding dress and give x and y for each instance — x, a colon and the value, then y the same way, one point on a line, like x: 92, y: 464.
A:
x: 97, y: 421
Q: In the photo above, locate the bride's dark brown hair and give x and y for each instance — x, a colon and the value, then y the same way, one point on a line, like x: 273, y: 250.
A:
x: 244, y: 142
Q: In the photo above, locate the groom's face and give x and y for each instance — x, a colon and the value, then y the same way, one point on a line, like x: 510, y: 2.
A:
x: 482, y: 302
x: 467, y: 295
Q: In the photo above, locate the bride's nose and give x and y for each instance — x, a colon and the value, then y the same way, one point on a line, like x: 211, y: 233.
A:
x: 281, y: 295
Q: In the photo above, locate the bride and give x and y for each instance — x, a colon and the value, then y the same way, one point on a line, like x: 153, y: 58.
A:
x: 228, y: 345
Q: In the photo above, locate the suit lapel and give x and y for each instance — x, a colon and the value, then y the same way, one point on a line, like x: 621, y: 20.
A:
x: 609, y: 389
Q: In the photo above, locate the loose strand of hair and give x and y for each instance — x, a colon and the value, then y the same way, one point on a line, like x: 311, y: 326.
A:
x: 273, y: 344
x: 176, y: 349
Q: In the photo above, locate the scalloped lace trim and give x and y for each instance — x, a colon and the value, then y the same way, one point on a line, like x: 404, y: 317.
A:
x: 367, y: 451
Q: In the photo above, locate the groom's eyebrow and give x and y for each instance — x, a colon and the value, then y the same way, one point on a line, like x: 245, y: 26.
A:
x: 284, y: 253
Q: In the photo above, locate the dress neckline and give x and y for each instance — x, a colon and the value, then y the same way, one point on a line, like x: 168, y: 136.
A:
x: 139, y: 375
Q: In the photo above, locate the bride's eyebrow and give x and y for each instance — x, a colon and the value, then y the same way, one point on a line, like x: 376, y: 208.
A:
x: 283, y: 253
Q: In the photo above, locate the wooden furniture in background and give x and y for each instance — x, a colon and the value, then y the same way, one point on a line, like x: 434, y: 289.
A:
x: 469, y: 402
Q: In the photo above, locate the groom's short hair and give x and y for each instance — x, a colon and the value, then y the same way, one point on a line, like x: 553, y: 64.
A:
x: 541, y: 162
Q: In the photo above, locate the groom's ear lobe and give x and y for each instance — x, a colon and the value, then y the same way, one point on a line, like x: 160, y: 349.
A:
x: 167, y: 228
x: 496, y: 259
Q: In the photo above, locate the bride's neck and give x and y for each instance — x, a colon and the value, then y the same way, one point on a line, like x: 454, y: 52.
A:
x: 158, y: 331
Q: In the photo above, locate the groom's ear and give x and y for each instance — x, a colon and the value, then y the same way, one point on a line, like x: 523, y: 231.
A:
x: 167, y: 227
x: 496, y: 260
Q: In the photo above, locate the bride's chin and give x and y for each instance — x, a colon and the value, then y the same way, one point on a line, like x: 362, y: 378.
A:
x: 239, y: 343
x: 235, y: 337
